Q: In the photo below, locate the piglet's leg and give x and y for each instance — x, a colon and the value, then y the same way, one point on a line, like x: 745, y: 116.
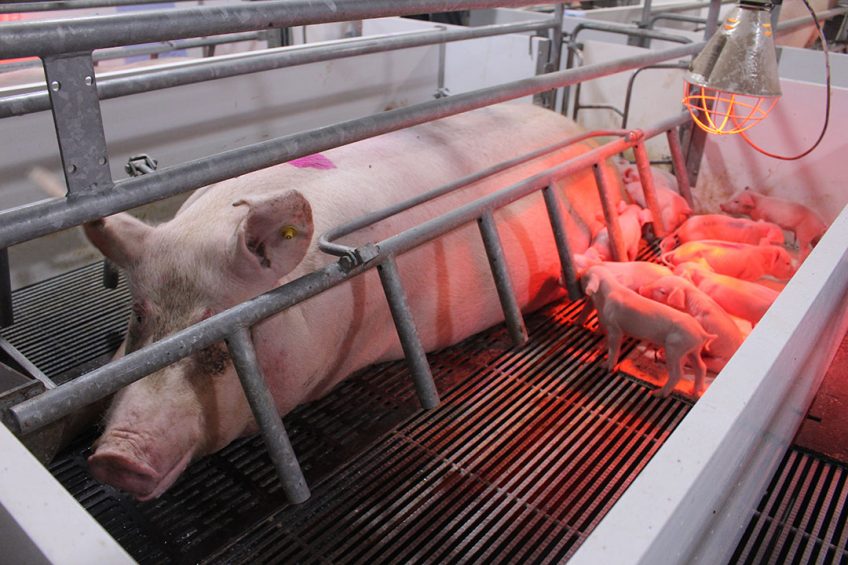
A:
x: 700, y: 374
x: 614, y: 339
x: 675, y: 371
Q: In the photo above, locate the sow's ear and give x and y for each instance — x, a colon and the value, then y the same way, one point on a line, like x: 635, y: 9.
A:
x: 120, y: 238
x: 274, y: 234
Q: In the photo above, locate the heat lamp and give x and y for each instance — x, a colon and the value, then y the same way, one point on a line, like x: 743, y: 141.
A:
x: 733, y: 83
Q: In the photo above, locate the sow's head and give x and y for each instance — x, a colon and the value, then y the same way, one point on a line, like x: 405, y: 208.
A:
x: 212, y: 256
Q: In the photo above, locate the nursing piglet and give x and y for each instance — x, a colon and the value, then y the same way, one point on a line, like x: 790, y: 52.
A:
x: 622, y: 311
x: 673, y: 208
x: 682, y: 295
x: 739, y: 260
x: 807, y: 225
x: 631, y: 218
x: 723, y: 228
x: 743, y: 299
x: 239, y: 238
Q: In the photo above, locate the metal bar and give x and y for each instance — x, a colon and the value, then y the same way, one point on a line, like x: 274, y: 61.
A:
x: 497, y: 262
x: 629, y: 96
x: 673, y: 136
x: 543, y: 53
x: 644, y: 23
x: 646, y: 176
x: 616, y: 238
x: 66, y: 399
x: 414, y: 352
x: 31, y: 221
x: 326, y: 240
x: 267, y: 60
x: 79, y: 125
x: 712, y: 19
x: 7, y: 317
x: 569, y: 272
x: 87, y: 34
x: 676, y: 18
x: 240, y: 345
x: 29, y: 6
x: 627, y: 30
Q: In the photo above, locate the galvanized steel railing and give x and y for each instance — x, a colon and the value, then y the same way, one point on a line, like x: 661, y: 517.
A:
x: 74, y: 97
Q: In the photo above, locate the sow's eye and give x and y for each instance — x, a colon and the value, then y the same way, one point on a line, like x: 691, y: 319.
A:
x: 138, y: 313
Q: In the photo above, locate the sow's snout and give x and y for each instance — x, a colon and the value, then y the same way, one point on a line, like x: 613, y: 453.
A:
x: 124, y: 461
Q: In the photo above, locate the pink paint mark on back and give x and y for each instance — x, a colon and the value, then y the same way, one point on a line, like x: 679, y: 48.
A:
x: 316, y: 161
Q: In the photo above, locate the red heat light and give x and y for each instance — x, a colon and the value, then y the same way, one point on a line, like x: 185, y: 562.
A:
x: 723, y: 113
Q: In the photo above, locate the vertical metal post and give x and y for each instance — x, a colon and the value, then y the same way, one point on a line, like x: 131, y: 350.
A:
x: 542, y: 62
x: 408, y: 334
x: 79, y: 125
x: 646, y: 176
x: 569, y: 62
x: 679, y: 162
x: 619, y: 252
x: 695, y: 138
x: 556, y: 49
x: 569, y: 272
x: 7, y: 317
x: 497, y: 262
x: 264, y: 410
x: 644, y: 23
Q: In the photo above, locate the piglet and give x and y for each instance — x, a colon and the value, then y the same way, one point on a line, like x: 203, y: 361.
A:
x: 631, y: 218
x: 622, y: 311
x: 632, y: 274
x: 673, y: 208
x: 807, y: 226
x: 739, y: 260
x: 682, y: 295
x: 723, y: 228
x: 743, y: 299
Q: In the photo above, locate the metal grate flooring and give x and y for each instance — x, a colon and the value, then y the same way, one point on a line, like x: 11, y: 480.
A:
x: 803, y: 517
x: 528, y: 450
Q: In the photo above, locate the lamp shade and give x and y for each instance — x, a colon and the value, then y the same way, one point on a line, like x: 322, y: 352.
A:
x: 740, y: 57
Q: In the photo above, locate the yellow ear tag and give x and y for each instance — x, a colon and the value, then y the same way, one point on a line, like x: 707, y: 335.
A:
x: 288, y: 232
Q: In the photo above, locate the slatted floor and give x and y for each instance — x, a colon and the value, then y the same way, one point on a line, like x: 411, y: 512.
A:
x: 528, y: 450
x: 803, y: 517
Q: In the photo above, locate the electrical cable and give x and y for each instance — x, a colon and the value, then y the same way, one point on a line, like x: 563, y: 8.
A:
x: 827, y: 102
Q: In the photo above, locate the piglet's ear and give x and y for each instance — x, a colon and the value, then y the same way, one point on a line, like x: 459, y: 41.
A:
x: 274, y: 234
x: 121, y: 238
x: 677, y: 299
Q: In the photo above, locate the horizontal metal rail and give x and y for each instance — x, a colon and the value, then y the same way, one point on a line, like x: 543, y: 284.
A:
x: 87, y: 34
x: 267, y: 60
x: 31, y: 221
x: 623, y: 29
x: 148, y: 49
x: 16, y: 6
x: 61, y: 401
x: 327, y: 241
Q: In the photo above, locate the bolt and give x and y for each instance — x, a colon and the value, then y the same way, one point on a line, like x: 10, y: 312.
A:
x: 102, y: 160
x: 71, y: 169
x: 55, y: 86
x: 89, y: 80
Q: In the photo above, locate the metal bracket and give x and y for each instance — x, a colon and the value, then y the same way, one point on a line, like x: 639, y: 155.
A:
x: 359, y: 256
x: 141, y: 165
x: 79, y: 126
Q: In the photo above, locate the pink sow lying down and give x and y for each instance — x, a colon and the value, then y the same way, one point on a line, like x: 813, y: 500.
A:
x: 236, y: 239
